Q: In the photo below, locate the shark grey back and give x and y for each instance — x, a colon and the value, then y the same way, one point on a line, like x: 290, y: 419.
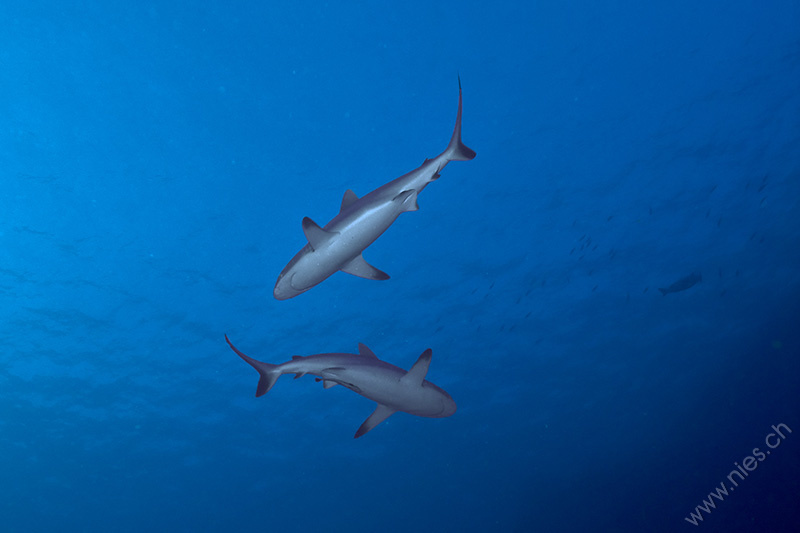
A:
x: 339, y: 245
x: 390, y: 386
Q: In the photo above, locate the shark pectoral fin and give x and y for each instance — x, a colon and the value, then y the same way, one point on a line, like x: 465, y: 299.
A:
x: 363, y: 350
x: 408, y: 199
x: 359, y: 267
x: 380, y: 414
x: 417, y: 374
x: 316, y: 236
x: 349, y: 199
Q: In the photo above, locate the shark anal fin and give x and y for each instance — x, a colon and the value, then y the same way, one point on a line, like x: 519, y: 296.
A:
x: 359, y: 267
x: 316, y: 236
x: 408, y: 199
x: 417, y: 374
x: 326, y: 383
x: 349, y: 199
x: 363, y: 350
x: 380, y: 414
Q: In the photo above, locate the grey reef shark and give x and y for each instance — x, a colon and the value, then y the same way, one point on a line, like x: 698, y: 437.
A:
x: 682, y: 284
x: 339, y: 245
x: 392, y: 387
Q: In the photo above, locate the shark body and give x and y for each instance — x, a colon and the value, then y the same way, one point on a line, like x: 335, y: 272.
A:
x: 390, y: 386
x: 339, y: 245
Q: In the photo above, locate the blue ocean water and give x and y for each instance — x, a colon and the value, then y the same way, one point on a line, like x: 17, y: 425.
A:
x: 157, y: 160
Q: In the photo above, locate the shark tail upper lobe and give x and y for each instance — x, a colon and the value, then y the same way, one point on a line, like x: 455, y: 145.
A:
x: 457, y: 150
x: 268, y: 373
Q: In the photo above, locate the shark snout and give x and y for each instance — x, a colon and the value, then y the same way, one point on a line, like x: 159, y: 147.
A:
x: 448, y: 406
x: 283, y: 287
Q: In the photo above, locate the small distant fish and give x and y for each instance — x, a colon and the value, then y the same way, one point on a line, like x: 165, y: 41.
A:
x: 682, y: 284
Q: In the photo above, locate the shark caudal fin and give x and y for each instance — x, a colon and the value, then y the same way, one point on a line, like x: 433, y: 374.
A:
x: 456, y: 150
x: 268, y: 373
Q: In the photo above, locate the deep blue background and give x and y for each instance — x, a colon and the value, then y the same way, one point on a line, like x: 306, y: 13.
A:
x: 156, y: 161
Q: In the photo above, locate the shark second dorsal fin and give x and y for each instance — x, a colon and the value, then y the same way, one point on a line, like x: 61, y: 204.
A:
x: 359, y: 267
x: 380, y: 414
x: 316, y: 236
x: 417, y: 374
x: 349, y: 199
x: 363, y: 350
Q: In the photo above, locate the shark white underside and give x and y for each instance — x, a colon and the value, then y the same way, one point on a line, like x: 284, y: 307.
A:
x: 339, y: 245
x: 390, y: 386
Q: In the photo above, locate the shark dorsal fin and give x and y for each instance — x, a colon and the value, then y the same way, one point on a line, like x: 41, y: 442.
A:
x: 349, y: 199
x: 363, y: 350
x: 316, y: 236
x: 380, y: 414
x: 417, y: 374
x: 359, y: 267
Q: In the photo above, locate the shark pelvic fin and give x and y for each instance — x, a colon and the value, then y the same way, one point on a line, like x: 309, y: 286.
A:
x: 380, y: 414
x: 363, y: 350
x: 408, y: 199
x: 349, y: 199
x: 359, y: 267
x: 316, y: 236
x: 417, y: 374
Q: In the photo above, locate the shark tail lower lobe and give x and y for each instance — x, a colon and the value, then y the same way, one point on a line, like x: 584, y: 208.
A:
x: 268, y: 373
x: 458, y: 151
